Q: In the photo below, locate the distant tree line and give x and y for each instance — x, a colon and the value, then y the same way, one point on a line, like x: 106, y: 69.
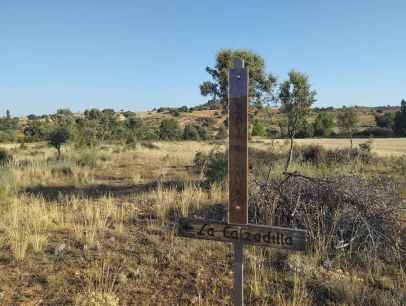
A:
x: 96, y: 126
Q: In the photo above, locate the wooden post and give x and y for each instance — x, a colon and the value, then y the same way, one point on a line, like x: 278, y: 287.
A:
x: 238, y: 294
x: 238, y: 143
x: 237, y: 230
x: 238, y: 165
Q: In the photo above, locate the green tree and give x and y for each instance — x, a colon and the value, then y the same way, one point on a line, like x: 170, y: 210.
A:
x: 191, y: 132
x: 134, y: 124
x: 400, y: 120
x: 347, y: 120
x: 108, y: 125
x: 258, y: 128
x: 65, y: 117
x: 386, y: 120
x: 305, y: 129
x: 93, y: 114
x: 195, y: 132
x: 260, y: 82
x: 169, y: 130
x: 87, y: 135
x: 36, y: 131
x: 58, y: 137
x: 324, y: 124
x: 296, y: 97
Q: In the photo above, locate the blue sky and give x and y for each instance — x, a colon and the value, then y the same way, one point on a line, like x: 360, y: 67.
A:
x: 137, y: 55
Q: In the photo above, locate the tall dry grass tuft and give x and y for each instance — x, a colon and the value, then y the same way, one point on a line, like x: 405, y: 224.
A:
x: 298, y: 296
x: 26, y: 223
x: 90, y: 219
x: 100, y: 286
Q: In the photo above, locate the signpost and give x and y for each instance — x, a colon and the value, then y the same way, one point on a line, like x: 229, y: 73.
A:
x: 237, y: 230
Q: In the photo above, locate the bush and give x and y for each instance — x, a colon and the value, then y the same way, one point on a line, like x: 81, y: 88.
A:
x: 317, y: 155
x: 5, y: 157
x: 150, y: 134
x: 375, y: 132
x: 258, y: 128
x: 314, y: 154
x: 7, y: 136
x: 58, y: 137
x: 366, y: 147
x: 348, y: 155
x: 87, y: 158
x: 347, y: 213
x: 214, y: 166
x: 195, y: 132
x: 191, y: 132
x: 200, y: 161
x: 169, y: 130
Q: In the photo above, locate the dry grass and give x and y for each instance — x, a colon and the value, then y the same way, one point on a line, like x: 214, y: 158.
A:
x: 93, y: 229
x: 380, y: 146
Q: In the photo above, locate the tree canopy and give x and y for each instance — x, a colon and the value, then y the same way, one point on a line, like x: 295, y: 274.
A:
x: 347, y: 120
x: 261, y: 83
x: 296, y: 97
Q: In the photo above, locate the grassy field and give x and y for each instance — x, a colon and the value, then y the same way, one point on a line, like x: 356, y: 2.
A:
x: 96, y: 228
x: 380, y: 146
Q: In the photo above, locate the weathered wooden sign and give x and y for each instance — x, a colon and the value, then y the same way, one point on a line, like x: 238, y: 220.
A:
x: 261, y: 235
x: 237, y: 230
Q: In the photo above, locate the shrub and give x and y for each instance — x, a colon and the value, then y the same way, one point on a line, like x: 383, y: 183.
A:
x: 58, y: 137
x: 273, y: 132
x: 305, y: 130
x: 195, y: 132
x: 359, y: 216
x: 150, y: 134
x: 314, y: 154
x: 258, y: 128
x: 214, y: 165
x: 375, y: 132
x: 317, y: 155
x: 323, y: 124
x: 348, y: 155
x: 169, y: 130
x: 7, y: 136
x: 217, y: 167
x: 200, y: 161
x: 87, y: 158
x: 366, y: 147
x: 191, y: 132
x: 5, y: 157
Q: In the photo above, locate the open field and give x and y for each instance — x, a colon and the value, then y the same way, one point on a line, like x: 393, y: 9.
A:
x: 380, y: 146
x: 96, y: 228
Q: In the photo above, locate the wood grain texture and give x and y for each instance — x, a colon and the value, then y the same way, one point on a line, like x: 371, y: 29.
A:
x: 238, y: 145
x: 259, y: 235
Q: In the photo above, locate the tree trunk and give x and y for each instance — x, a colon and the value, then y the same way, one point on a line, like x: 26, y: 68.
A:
x: 290, y: 154
x: 58, y: 156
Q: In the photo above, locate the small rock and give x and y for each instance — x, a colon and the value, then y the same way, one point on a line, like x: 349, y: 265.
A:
x: 327, y: 264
